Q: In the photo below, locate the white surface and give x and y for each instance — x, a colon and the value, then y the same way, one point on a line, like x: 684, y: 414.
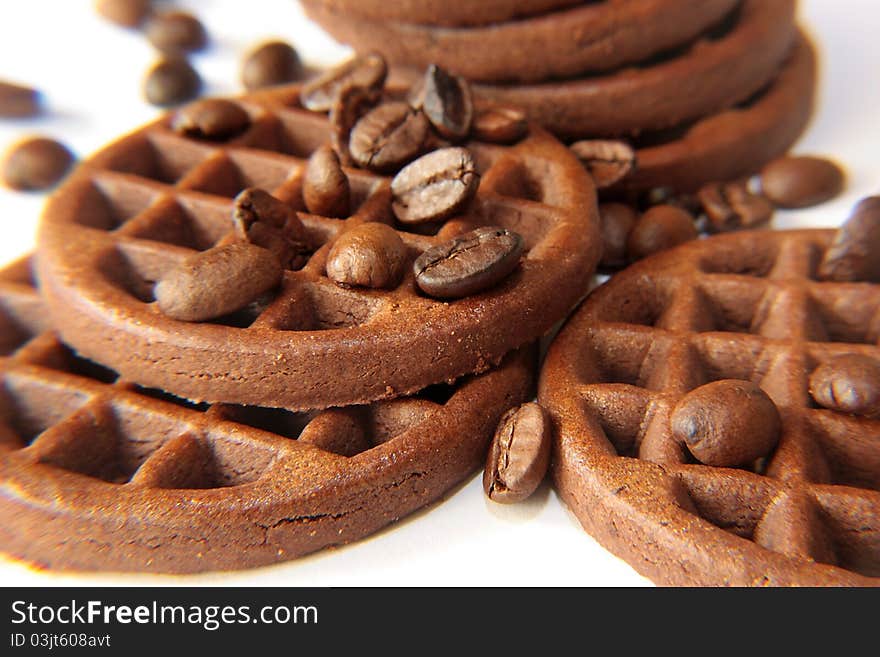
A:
x: 92, y: 70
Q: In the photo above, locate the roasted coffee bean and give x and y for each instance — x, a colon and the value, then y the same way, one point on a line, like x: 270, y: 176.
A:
x: 326, y: 189
x: 608, y: 162
x: 269, y: 64
x: 35, y: 163
x: 519, y: 454
x: 499, y: 125
x: 368, y: 71
x: 261, y: 219
x: 731, y: 206
x: 469, y: 263
x: 215, y: 119
x: 849, y: 384
x: 800, y: 182
x: 446, y: 100
x: 855, y: 253
x: 388, y: 137
x: 176, y: 32
x: 350, y: 105
x: 17, y: 101
x: 660, y: 228
x: 727, y: 423
x: 618, y: 220
x: 369, y: 255
x: 216, y: 282
x: 171, y: 82
x: 434, y: 187
x: 127, y: 13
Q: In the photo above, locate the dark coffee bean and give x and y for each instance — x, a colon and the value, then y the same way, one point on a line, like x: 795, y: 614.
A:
x: 214, y: 119
x: 269, y: 64
x: 176, y: 32
x: 849, y: 384
x: 855, y: 253
x: 434, y: 187
x: 731, y: 206
x: 17, y: 101
x: 388, y: 137
x: 261, y: 219
x: 660, y: 228
x: 499, y: 125
x: 800, y: 182
x: 127, y: 13
x: 368, y: 70
x: 469, y: 263
x: 618, y: 220
x: 446, y: 100
x: 519, y: 454
x: 608, y: 162
x: 326, y: 189
x: 36, y: 163
x: 369, y: 255
x: 216, y: 282
x: 727, y: 423
x: 171, y: 82
x: 350, y: 105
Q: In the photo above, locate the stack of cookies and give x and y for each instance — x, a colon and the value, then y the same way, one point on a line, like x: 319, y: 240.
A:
x: 705, y: 90
x: 273, y: 324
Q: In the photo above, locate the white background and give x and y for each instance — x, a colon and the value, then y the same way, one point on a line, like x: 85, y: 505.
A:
x: 91, y: 72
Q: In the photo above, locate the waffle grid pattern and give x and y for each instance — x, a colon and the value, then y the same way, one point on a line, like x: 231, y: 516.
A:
x: 742, y: 307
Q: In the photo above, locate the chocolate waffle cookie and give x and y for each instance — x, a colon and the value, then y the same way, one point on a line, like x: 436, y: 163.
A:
x: 746, y: 306
x: 592, y: 37
x: 97, y: 473
x: 153, y: 198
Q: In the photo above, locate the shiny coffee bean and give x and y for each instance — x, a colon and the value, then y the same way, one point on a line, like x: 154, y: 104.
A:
x: 618, y: 220
x: 499, y: 125
x: 388, y: 137
x: 261, y: 219
x: 855, y: 253
x: 849, y: 384
x: 370, y: 255
x: 127, y: 13
x: 326, y: 189
x: 368, y: 70
x: 176, y: 32
x: 519, y: 454
x: 446, y: 100
x: 171, y: 82
x: 468, y: 264
x: 214, y: 119
x: 216, y: 282
x: 660, y: 228
x: 270, y: 64
x: 35, y: 163
x: 607, y: 161
x: 435, y: 186
x: 800, y: 182
x: 727, y: 423
x: 731, y: 206
x: 17, y: 101
x: 350, y: 105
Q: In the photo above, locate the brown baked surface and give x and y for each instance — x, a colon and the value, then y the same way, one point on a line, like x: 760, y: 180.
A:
x: 457, y: 13
x: 129, y: 213
x: 591, y: 37
x: 97, y: 473
x: 736, y: 142
x: 741, y: 306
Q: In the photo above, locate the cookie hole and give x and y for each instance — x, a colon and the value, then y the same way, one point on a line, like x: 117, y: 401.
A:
x: 389, y: 419
x: 851, y: 446
x: 237, y: 461
x: 300, y: 133
x: 636, y: 302
x: 107, y: 202
x: 330, y: 307
x: 120, y: 271
x: 22, y: 317
x: 30, y: 406
x: 274, y: 420
x: 731, y: 303
x: 171, y: 224
x: 730, y: 259
x: 246, y: 316
x: 847, y: 312
x: 736, y: 507
x: 230, y: 174
x: 158, y: 156
x: 852, y: 523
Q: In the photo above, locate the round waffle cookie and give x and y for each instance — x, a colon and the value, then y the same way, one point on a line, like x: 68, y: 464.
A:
x: 444, y: 12
x: 736, y: 142
x: 154, y: 197
x: 100, y: 474
x: 742, y: 306
x: 591, y: 37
